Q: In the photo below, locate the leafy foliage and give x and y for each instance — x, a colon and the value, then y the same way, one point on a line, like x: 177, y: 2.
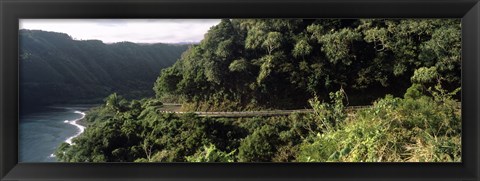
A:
x: 212, y: 154
x: 284, y: 62
x: 409, y: 69
x: 416, y: 128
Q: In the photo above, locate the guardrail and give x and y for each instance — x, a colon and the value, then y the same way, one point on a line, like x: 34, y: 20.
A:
x: 251, y: 113
x: 265, y: 113
x: 243, y: 113
x: 172, y: 104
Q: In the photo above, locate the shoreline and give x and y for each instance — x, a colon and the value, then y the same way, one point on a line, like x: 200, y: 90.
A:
x: 75, y: 123
x: 83, y: 122
x: 81, y: 125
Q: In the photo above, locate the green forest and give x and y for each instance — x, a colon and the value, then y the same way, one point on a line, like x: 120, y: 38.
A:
x: 56, y: 69
x: 406, y: 71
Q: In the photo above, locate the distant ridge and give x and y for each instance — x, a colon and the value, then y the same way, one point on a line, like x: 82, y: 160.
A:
x: 56, y: 69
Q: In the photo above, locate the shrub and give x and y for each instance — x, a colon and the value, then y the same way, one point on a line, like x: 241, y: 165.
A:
x: 327, y: 115
x: 416, y: 128
x: 260, y: 146
x: 211, y: 154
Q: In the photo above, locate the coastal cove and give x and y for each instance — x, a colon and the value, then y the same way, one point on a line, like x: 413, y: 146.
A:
x: 42, y: 131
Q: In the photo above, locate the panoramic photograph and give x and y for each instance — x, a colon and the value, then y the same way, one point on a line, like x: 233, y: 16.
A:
x: 240, y: 90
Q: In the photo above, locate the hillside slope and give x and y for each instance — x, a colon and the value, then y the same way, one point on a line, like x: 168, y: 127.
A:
x: 55, y: 69
x: 257, y: 64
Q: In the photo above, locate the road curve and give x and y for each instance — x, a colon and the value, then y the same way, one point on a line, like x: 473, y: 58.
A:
x: 260, y: 113
x: 255, y: 113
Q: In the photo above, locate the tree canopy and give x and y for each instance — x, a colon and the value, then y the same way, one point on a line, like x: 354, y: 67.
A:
x: 281, y: 63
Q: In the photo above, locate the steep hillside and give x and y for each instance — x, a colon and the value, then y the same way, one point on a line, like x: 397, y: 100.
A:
x: 55, y: 69
x: 245, y: 64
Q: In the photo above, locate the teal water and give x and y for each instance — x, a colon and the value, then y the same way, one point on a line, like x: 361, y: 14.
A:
x: 41, y: 132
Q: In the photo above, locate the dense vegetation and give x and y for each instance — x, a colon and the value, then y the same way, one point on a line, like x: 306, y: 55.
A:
x: 57, y: 69
x: 425, y: 125
x: 408, y: 69
x: 281, y: 63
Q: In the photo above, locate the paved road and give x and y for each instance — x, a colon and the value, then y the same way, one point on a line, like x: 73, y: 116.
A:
x: 245, y: 113
x: 174, y: 107
x: 256, y: 113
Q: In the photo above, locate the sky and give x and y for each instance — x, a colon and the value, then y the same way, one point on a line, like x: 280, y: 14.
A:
x: 132, y: 30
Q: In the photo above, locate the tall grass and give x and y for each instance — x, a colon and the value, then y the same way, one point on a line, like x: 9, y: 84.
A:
x: 412, y: 129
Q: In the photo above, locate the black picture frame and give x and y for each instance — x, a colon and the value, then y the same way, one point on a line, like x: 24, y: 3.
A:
x: 13, y: 10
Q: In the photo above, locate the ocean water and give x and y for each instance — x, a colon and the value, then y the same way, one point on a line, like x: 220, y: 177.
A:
x: 41, y: 132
